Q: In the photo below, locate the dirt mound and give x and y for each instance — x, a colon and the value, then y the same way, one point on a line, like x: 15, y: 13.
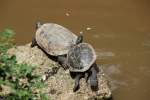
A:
x: 59, y: 86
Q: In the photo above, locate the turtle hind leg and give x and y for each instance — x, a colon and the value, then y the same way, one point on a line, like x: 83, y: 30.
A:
x: 93, y: 78
x: 62, y: 61
x: 77, y: 80
x: 34, y: 43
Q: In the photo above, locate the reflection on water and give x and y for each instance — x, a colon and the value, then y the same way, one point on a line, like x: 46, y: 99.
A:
x: 119, y: 30
x: 103, y: 54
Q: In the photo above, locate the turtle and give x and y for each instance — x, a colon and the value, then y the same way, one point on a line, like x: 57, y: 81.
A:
x: 55, y: 40
x: 81, y: 60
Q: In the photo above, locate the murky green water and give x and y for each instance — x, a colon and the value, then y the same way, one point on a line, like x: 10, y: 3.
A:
x: 120, y: 33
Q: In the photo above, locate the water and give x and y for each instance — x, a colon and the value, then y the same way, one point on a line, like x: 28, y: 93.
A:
x: 118, y: 30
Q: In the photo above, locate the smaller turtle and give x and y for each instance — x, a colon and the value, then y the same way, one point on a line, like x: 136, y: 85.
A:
x: 55, y: 40
x: 81, y: 60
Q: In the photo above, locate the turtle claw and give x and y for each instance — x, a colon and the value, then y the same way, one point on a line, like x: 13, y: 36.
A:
x: 76, y: 87
x: 94, y: 85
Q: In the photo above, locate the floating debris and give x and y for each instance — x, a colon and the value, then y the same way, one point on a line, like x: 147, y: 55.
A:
x: 67, y: 14
x: 88, y: 28
x: 81, y: 32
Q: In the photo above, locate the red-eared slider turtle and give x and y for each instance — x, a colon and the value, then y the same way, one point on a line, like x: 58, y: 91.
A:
x: 55, y: 39
x: 81, y: 61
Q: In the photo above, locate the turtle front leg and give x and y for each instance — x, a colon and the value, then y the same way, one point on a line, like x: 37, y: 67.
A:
x: 77, y: 80
x: 38, y: 25
x: 93, y: 78
x: 34, y: 43
x: 87, y: 75
x: 62, y: 61
x: 79, y: 39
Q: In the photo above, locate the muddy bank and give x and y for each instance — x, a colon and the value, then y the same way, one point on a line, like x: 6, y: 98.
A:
x: 59, y: 86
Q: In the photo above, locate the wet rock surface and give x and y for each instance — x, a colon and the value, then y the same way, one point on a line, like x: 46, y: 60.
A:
x: 60, y: 85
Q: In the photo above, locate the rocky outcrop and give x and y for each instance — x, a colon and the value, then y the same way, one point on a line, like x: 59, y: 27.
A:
x: 60, y: 85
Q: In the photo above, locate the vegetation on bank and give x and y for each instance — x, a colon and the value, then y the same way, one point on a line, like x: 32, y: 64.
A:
x: 17, y: 81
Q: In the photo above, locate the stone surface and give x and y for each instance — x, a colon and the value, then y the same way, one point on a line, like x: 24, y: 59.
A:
x: 60, y: 85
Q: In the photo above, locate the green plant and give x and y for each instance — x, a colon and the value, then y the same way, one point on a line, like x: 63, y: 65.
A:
x: 22, y: 84
x: 6, y: 40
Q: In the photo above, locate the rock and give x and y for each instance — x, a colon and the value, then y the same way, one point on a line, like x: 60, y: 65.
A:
x: 60, y: 86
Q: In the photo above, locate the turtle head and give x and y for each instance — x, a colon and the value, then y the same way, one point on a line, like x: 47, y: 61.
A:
x: 80, y: 38
x: 38, y: 24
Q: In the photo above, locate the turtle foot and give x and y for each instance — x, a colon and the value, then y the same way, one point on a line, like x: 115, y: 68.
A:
x: 34, y: 43
x: 94, y: 85
x: 50, y: 73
